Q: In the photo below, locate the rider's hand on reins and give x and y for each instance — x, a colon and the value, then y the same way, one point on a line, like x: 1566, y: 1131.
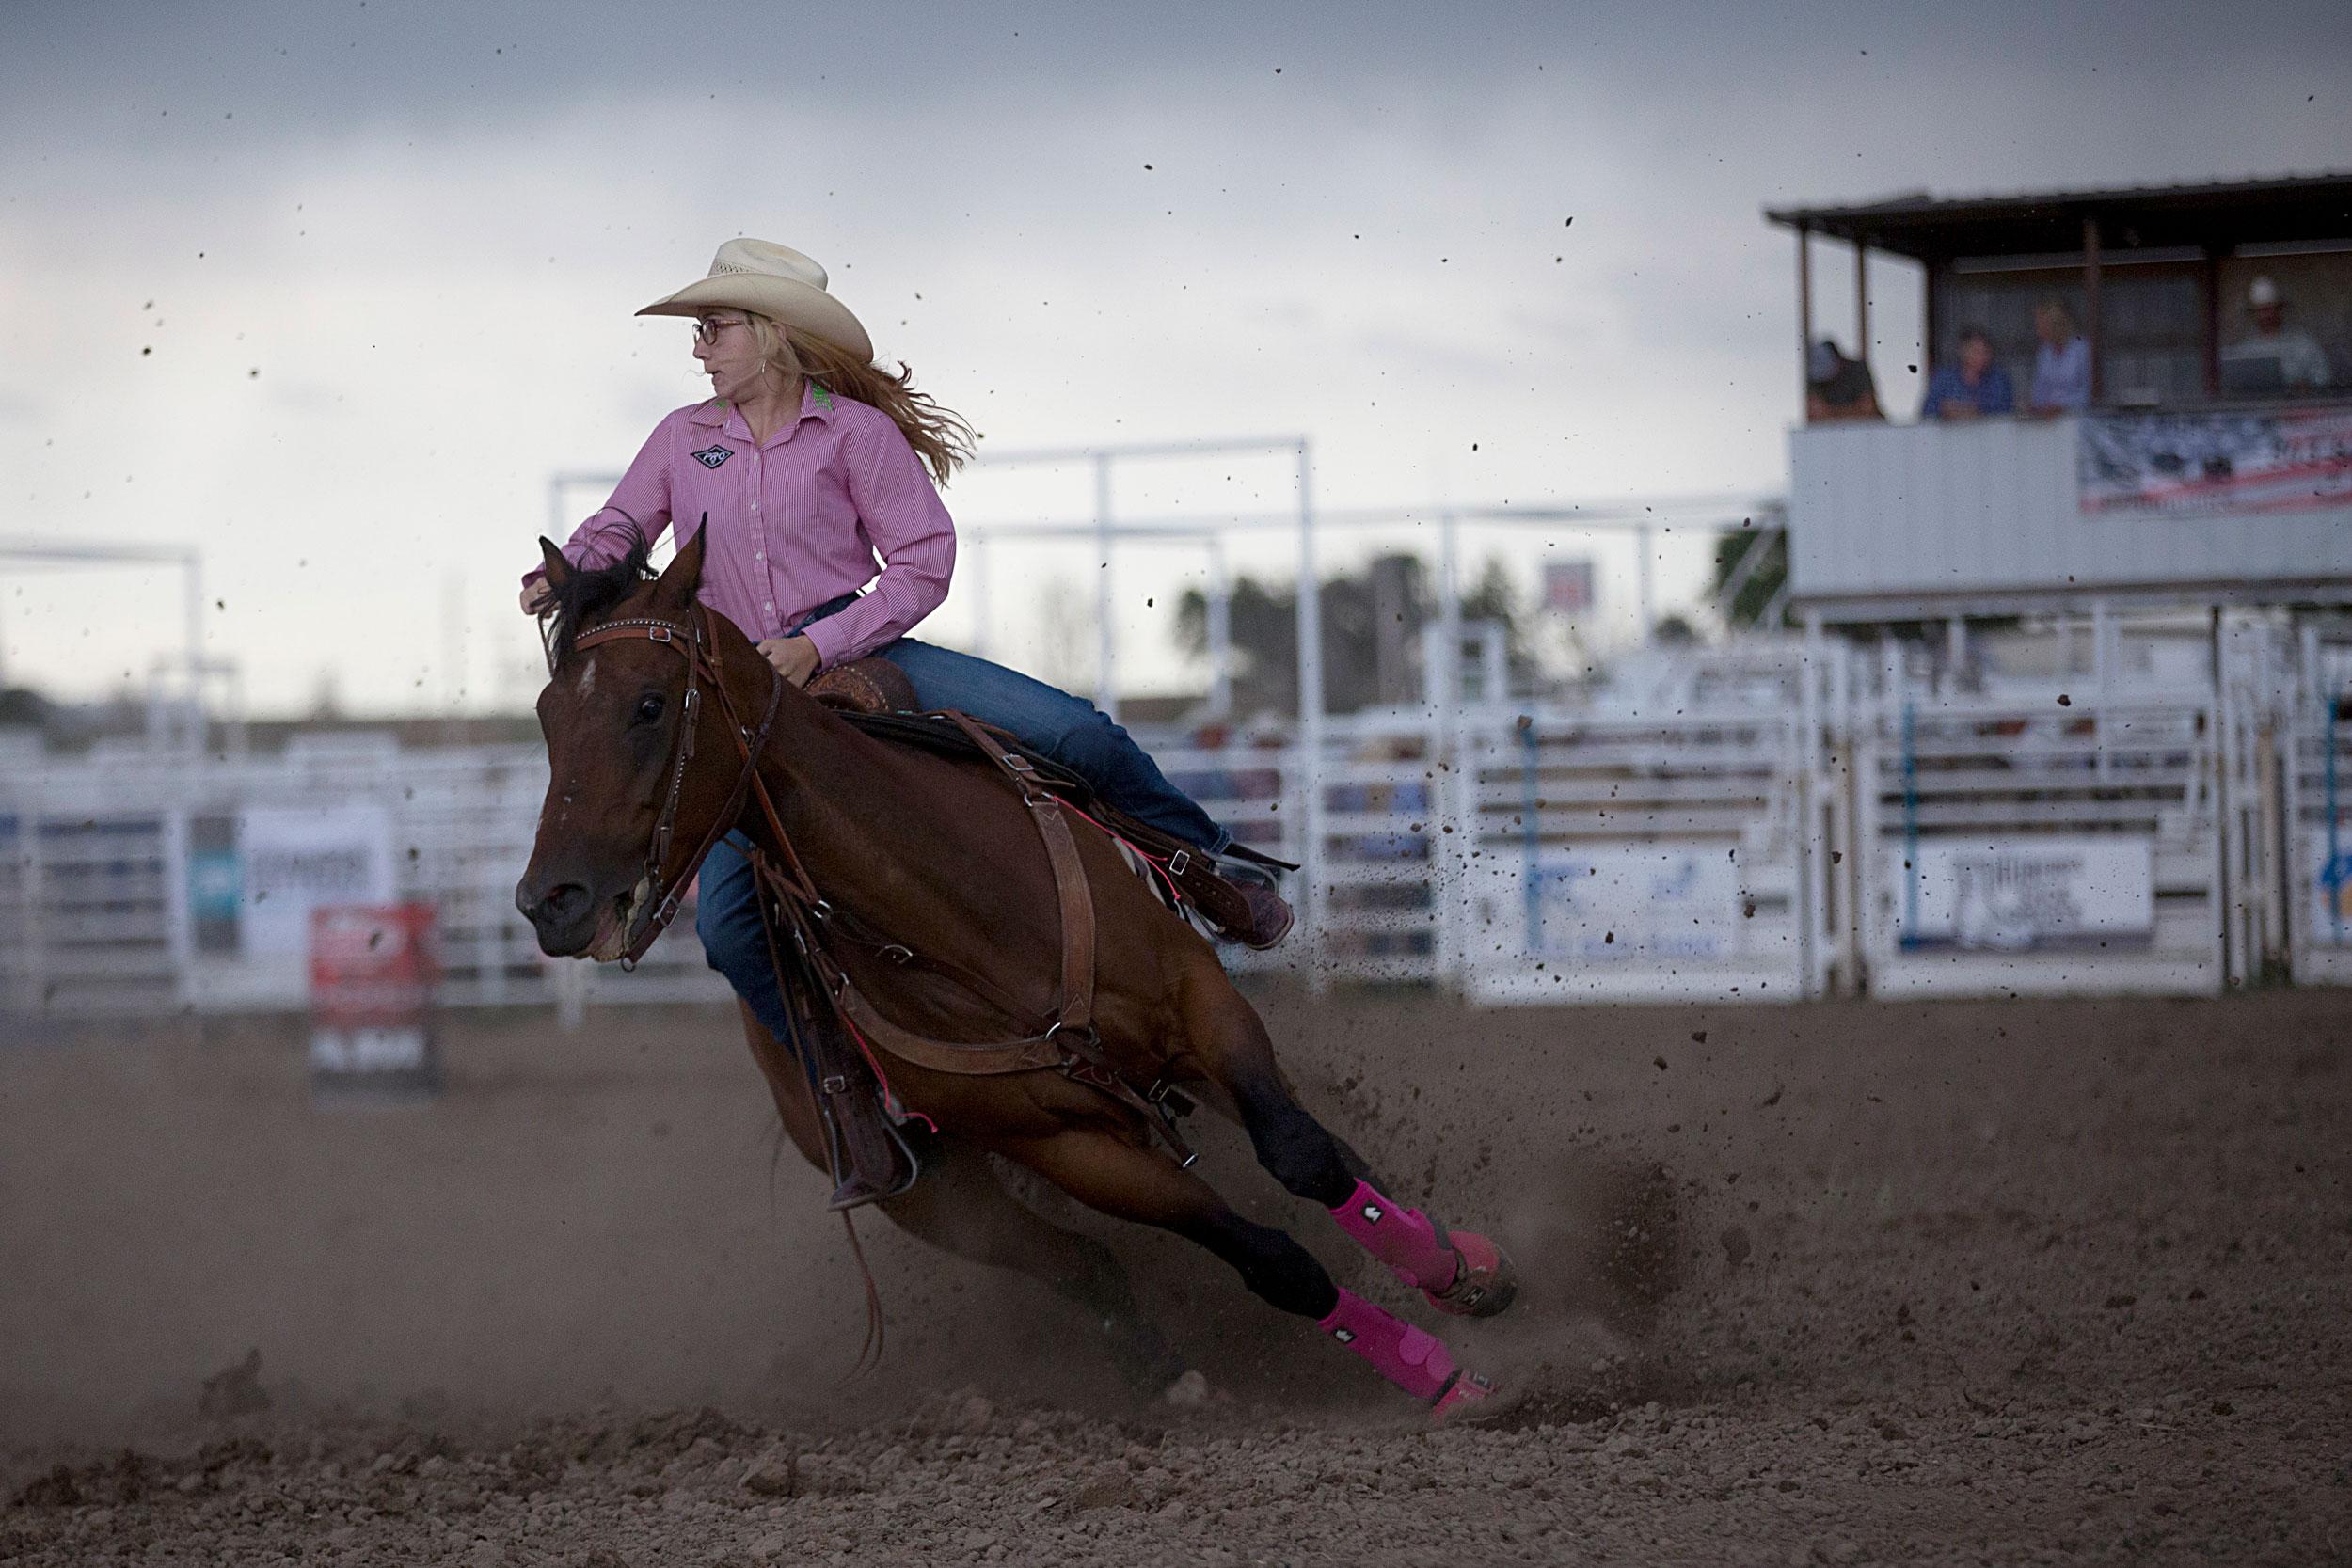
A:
x: 794, y: 657
x: 536, y: 595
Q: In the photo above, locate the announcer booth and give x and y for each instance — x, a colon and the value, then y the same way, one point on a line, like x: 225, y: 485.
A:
x: 2107, y: 579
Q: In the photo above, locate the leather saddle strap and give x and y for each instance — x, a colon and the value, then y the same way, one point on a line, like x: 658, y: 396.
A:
x: 1075, y: 895
x: 951, y: 1056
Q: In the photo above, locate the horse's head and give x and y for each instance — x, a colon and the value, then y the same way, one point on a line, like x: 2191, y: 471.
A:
x: 615, y: 715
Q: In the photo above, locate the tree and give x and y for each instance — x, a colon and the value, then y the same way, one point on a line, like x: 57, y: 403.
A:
x: 1372, y: 634
x: 1761, y: 577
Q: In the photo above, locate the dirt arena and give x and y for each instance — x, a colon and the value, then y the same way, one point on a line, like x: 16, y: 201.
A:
x: 1970, y: 1283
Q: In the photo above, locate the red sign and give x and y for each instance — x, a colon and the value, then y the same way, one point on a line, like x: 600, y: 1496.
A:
x: 371, y: 973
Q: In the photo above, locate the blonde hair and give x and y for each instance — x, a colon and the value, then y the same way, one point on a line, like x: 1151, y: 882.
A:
x: 939, y: 436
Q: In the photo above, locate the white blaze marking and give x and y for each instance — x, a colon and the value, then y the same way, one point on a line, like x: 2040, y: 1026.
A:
x: 588, y: 678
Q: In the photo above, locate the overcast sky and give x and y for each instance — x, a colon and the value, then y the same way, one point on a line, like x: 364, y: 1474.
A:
x: 332, y: 288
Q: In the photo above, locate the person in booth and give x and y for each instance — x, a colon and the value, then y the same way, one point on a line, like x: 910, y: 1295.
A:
x: 1972, y: 387
x: 809, y: 461
x: 1836, y: 387
x: 2274, y: 357
x: 2061, y: 363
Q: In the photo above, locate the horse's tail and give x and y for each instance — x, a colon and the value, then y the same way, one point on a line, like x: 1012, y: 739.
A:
x: 869, y: 1350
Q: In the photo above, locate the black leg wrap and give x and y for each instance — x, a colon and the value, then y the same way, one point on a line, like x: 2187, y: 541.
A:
x: 1277, y: 1270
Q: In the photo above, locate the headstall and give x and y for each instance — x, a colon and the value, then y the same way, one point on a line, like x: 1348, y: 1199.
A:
x: 694, y: 641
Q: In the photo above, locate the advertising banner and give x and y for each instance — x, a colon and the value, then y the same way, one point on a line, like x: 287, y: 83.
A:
x: 2291, y: 459
x: 2021, y: 894
x: 1634, y: 902
x: 215, y: 884
x: 296, y: 859
x: 372, y: 973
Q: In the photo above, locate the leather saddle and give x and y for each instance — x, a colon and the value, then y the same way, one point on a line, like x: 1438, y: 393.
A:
x: 871, y: 1158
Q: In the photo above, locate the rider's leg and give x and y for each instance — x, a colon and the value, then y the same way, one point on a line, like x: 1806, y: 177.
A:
x: 726, y: 917
x: 1069, y: 730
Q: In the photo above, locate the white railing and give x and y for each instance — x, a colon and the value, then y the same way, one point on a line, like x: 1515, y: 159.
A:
x: 1607, y: 858
x: 2048, y: 846
x: 2317, y: 751
x: 1794, y: 823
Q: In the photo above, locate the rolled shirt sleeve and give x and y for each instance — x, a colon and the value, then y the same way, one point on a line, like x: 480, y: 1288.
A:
x: 901, y: 516
x: 640, y: 505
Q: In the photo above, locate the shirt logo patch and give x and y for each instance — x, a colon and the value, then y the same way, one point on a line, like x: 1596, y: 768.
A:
x: 710, y: 458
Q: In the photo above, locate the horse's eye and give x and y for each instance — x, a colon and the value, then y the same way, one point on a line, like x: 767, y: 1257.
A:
x: 649, y: 707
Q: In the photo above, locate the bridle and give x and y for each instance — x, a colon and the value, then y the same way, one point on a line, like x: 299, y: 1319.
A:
x: 693, y: 639
x: 1071, y: 1043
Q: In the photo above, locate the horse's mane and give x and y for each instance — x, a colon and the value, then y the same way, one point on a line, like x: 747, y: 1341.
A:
x: 590, y: 592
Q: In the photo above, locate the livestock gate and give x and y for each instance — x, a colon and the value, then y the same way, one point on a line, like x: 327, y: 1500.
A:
x: 1771, y: 819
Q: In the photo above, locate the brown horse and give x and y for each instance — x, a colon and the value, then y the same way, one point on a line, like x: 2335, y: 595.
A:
x: 938, y: 855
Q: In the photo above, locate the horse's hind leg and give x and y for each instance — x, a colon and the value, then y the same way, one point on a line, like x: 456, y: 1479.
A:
x: 1105, y: 1171
x: 961, y: 1207
x: 1460, y: 1271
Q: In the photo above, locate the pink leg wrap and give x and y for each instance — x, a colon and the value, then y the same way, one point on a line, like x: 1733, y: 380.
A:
x: 1401, y: 1237
x: 1416, y: 1362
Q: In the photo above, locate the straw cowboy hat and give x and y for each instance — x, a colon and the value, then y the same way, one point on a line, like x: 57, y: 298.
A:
x: 771, y: 280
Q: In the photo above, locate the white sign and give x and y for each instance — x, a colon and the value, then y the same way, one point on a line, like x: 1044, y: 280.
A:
x: 1637, y: 901
x: 297, y: 858
x: 2013, y: 895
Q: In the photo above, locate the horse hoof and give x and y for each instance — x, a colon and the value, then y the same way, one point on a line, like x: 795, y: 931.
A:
x: 1467, y: 1389
x: 1187, y: 1392
x: 1485, y: 1285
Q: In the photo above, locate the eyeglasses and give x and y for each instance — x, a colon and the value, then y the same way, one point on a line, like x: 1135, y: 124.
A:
x: 707, y: 328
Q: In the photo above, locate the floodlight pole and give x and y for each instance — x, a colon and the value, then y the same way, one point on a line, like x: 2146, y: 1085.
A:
x: 1105, y: 637
x: 1220, y: 631
x: 1646, y: 578
x: 1309, y: 602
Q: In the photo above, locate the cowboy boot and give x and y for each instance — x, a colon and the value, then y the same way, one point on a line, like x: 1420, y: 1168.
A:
x: 1269, y: 916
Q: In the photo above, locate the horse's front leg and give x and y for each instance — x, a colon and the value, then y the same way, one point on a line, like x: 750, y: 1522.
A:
x: 962, y: 1208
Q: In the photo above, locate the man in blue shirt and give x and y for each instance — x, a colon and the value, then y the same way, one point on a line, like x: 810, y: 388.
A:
x: 2061, y: 366
x: 1974, y: 388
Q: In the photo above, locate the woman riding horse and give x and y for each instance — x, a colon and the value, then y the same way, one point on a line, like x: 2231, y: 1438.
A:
x: 807, y: 461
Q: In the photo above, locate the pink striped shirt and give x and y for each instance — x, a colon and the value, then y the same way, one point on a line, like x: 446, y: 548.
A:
x: 795, y: 520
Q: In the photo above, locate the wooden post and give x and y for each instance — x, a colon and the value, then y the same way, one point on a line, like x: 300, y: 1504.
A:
x: 1805, y: 313
x: 2091, y: 310
x: 2211, y: 283
x: 1861, y: 300
x: 1927, y: 323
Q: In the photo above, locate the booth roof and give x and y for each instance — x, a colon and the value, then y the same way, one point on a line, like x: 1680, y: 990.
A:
x: 2216, y: 216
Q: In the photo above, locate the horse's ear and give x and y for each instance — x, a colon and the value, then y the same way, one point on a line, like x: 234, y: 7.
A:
x: 559, y: 569
x: 684, y: 574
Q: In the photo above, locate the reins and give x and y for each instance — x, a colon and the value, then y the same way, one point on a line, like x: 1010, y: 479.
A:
x: 1071, y: 1043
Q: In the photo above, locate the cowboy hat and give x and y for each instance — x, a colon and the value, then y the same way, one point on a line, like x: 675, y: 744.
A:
x: 771, y: 280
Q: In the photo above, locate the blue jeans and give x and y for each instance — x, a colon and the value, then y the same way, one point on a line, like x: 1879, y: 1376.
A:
x: 1050, y: 722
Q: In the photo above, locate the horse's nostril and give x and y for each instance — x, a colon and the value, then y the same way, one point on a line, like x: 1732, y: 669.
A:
x: 558, y: 903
